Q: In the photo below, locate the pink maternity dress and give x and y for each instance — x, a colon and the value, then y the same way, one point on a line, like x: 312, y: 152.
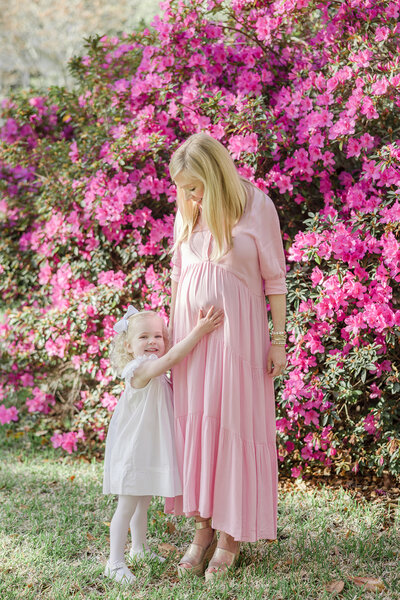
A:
x: 224, y: 407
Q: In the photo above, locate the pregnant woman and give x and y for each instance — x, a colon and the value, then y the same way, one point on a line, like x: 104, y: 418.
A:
x: 228, y: 254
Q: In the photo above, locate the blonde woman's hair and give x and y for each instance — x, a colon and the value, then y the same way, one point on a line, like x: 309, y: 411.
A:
x: 225, y: 191
x: 119, y: 354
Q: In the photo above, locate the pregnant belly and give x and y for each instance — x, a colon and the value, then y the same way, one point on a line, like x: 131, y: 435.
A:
x: 245, y: 320
x: 202, y: 287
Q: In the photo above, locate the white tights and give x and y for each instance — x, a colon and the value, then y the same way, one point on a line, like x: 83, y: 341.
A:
x: 131, y: 512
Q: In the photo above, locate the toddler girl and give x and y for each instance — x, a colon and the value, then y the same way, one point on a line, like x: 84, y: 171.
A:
x: 140, y: 459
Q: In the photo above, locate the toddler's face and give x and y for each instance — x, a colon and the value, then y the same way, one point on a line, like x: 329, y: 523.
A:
x: 146, y: 337
x: 192, y: 188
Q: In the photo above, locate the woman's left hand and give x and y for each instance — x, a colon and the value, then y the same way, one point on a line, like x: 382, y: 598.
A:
x: 276, y: 360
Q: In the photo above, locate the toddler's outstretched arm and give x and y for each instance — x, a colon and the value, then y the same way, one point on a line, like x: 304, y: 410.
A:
x: 153, y: 368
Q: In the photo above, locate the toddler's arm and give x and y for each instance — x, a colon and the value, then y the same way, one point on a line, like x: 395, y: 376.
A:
x: 153, y: 368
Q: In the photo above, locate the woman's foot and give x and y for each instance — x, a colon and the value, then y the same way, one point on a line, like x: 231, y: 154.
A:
x: 200, y: 550
x: 224, y: 557
x: 119, y: 572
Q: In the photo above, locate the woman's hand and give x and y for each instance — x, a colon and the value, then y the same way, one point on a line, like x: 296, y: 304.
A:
x: 209, y: 322
x: 276, y: 360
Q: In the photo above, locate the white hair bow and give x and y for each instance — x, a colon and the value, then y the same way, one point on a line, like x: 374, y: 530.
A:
x: 122, y: 325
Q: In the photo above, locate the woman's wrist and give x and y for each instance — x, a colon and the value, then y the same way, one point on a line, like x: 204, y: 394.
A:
x: 278, y: 338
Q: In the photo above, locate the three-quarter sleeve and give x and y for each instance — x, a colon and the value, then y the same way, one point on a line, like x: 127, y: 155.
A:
x: 267, y: 234
x: 176, y: 257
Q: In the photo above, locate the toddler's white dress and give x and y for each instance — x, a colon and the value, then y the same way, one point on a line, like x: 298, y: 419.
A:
x: 140, y: 457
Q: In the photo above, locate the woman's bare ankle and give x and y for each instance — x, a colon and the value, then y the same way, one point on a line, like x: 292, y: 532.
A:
x: 203, y: 536
x: 227, y: 542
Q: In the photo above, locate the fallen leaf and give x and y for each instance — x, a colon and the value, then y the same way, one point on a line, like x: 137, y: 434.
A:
x: 170, y: 527
x: 107, y: 523
x: 369, y: 583
x: 348, y: 533
x: 90, y: 536
x: 166, y: 549
x: 335, y: 587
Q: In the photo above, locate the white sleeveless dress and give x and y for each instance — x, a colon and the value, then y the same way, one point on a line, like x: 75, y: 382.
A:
x: 140, y: 456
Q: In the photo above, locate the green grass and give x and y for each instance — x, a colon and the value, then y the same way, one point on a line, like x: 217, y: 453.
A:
x: 54, y: 540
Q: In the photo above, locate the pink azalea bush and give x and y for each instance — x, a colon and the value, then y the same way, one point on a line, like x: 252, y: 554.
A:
x: 305, y: 95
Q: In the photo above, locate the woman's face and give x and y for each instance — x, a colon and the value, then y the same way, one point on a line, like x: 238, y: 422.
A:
x: 191, y: 187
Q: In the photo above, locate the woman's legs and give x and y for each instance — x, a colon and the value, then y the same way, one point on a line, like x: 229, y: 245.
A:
x: 227, y: 542
x: 203, y: 544
x: 138, y: 524
x: 225, y: 555
x: 203, y: 536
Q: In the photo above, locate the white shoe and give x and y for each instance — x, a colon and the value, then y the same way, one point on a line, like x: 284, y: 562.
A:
x: 145, y: 554
x: 119, y: 572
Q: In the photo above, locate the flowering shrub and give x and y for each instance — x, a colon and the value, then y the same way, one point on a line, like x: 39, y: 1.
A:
x: 305, y: 96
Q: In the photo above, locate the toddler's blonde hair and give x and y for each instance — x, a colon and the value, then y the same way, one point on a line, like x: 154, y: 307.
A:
x: 119, y: 354
x: 225, y: 191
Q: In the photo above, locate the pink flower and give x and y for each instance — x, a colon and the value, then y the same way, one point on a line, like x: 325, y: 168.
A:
x: 392, y: 10
x: 242, y: 143
x: 316, y: 276
x: 265, y: 26
x: 73, y: 153
x: 112, y: 279
x: 54, y: 225
x: 370, y: 424
x: 380, y: 87
x: 375, y: 391
x: 109, y: 401
x: 381, y: 34
x: 296, y: 472
x: 368, y: 109
x: 344, y: 126
x: 8, y: 414
x: 367, y: 141
x: 58, y: 345
x: 67, y: 441
x: 40, y: 402
x: 45, y: 273
x: 353, y: 148
x: 289, y: 446
x: 27, y: 380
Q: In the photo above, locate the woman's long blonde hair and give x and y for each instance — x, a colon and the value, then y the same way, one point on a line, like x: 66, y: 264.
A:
x: 224, y: 200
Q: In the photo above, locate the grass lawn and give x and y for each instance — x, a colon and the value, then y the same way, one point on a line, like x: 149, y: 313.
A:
x: 54, y: 530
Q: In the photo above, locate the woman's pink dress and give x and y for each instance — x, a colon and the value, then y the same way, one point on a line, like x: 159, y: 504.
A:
x: 223, y: 399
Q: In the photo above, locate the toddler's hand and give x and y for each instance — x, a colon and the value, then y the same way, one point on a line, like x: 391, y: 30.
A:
x: 210, y: 321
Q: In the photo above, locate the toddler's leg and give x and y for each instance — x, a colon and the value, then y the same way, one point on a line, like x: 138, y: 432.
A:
x: 116, y: 567
x: 139, y: 530
x: 139, y: 525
